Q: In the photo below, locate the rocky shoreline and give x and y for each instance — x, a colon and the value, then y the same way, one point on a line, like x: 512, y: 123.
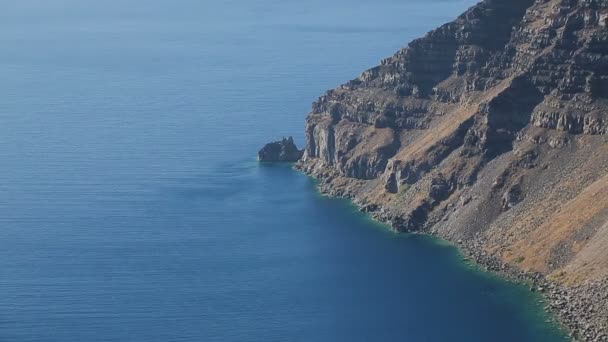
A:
x: 491, y: 132
x: 578, y: 309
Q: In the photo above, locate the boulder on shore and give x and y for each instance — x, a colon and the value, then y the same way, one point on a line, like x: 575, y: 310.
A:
x: 284, y: 150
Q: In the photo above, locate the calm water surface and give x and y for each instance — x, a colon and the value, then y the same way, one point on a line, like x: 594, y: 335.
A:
x: 131, y: 206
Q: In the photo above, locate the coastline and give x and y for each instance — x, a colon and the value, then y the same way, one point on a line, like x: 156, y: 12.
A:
x: 572, y: 308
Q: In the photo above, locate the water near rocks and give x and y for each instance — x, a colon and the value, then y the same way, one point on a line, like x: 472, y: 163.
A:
x: 132, y: 207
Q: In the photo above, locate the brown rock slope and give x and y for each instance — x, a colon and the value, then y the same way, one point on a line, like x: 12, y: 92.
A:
x: 491, y: 130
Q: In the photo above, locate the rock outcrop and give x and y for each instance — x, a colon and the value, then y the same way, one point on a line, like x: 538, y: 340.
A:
x: 490, y: 131
x: 284, y: 150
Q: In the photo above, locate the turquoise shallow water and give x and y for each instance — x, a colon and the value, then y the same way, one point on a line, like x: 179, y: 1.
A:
x: 132, y: 208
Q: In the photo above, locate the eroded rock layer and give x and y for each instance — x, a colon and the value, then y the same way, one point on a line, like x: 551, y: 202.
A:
x: 491, y: 131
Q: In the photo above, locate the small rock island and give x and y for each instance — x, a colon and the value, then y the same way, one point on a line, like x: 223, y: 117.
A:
x: 284, y: 150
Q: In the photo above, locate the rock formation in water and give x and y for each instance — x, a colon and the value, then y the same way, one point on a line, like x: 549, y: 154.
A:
x: 284, y: 150
x: 490, y: 131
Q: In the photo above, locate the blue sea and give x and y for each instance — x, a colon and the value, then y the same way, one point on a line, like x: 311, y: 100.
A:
x: 132, y: 207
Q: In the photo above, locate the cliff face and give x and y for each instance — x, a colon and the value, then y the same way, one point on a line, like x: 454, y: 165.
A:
x: 491, y: 130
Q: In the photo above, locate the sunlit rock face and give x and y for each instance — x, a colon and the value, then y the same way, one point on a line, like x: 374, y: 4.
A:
x: 482, y: 131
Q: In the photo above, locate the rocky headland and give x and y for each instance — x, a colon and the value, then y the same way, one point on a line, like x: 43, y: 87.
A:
x: 491, y: 132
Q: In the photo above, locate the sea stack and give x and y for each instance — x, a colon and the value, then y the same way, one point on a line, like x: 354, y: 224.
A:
x: 284, y: 150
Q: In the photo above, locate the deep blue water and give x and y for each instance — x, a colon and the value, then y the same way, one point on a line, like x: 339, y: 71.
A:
x: 132, y: 208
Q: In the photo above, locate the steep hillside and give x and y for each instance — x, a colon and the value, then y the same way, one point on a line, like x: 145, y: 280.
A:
x: 490, y: 131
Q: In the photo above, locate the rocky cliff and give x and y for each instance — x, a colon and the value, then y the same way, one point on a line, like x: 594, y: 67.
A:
x: 490, y: 131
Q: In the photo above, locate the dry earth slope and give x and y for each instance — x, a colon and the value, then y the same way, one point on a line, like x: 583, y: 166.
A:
x: 490, y: 131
